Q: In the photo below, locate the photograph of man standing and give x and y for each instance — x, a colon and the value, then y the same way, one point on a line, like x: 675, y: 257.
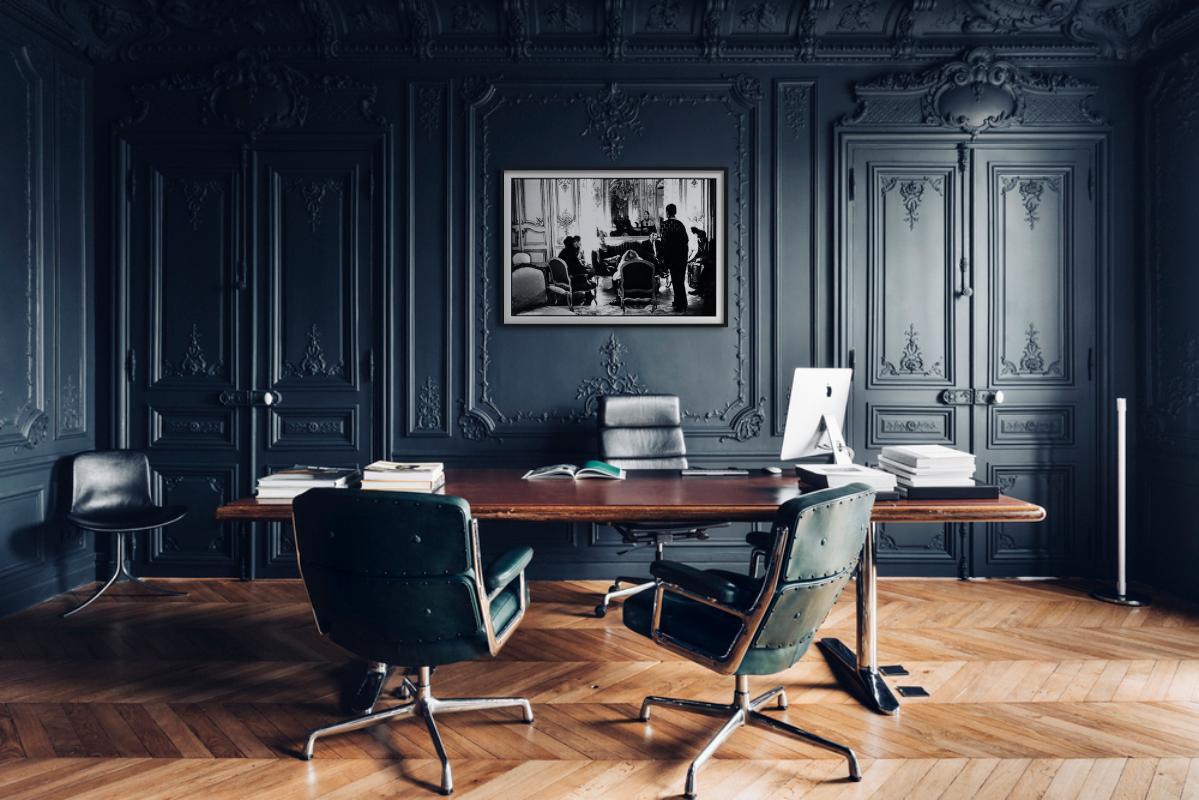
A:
x: 674, y: 246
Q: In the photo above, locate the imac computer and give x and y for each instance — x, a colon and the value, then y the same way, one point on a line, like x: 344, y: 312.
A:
x: 819, y: 398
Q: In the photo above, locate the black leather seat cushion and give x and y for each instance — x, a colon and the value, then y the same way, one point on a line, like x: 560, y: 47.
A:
x: 703, y: 628
x: 124, y: 518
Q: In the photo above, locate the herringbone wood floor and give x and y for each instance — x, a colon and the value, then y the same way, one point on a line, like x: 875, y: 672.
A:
x: 1036, y: 692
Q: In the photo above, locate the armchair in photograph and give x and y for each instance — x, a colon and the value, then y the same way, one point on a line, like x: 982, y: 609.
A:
x: 743, y: 625
x: 645, y: 431
x: 638, y: 284
x: 560, y: 285
x: 396, y: 578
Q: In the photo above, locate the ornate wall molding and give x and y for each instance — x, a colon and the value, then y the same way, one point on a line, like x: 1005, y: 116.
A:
x: 739, y: 97
x: 976, y: 93
x: 194, y: 362
x: 1032, y: 360
x: 911, y: 360
x: 428, y: 409
x: 314, y: 190
x: 254, y: 94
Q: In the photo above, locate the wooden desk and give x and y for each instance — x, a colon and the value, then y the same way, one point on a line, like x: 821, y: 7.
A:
x: 647, y: 496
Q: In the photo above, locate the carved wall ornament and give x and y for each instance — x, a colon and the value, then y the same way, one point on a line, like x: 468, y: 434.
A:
x: 662, y: 15
x: 1043, y: 426
x: 911, y: 360
x: 195, y: 191
x: 475, y: 427
x: 563, y: 16
x: 314, y: 364
x: 518, y: 29
x: 194, y: 363
x: 758, y: 17
x: 611, y: 115
x: 428, y: 406
x: 1031, y: 191
x: 1032, y: 360
x: 713, y: 38
x: 194, y: 426
x: 911, y: 193
x: 253, y: 95
x: 466, y: 18
x: 70, y: 413
x: 614, y: 380
x: 911, y: 426
x: 747, y: 86
x: 748, y: 424
x: 795, y: 109
x: 314, y: 190
x: 313, y: 427
x: 35, y: 433
x: 1176, y: 395
x: 429, y: 102
x: 856, y: 15
x: 978, y: 92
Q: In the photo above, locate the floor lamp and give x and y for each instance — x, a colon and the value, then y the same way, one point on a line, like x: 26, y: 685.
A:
x: 1120, y: 595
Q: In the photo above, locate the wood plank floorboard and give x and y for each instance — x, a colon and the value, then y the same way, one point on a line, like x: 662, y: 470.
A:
x: 1035, y: 692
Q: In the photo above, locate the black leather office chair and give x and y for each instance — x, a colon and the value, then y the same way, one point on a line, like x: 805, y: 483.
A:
x: 111, y: 494
x: 742, y: 625
x: 395, y: 578
x: 645, y: 431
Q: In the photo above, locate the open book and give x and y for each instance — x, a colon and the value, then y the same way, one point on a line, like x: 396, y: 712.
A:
x: 589, y: 469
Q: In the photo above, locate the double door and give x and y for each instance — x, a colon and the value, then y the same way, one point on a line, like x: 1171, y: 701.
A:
x: 971, y: 293
x: 248, y: 294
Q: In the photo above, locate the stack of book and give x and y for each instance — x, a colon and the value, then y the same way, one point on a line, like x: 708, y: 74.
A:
x: 404, y: 476
x: 287, y: 484
x: 934, y: 472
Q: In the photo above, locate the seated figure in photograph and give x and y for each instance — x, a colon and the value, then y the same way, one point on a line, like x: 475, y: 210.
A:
x: 580, y: 276
x: 673, y: 248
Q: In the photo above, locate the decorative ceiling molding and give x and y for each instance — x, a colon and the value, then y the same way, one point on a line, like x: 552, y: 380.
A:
x: 978, y: 92
x: 615, y: 30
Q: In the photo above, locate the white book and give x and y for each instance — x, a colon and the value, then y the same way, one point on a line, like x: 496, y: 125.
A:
x: 834, y: 476
x: 427, y: 488
x: 927, y: 455
x: 934, y: 481
x: 904, y: 469
x: 403, y: 470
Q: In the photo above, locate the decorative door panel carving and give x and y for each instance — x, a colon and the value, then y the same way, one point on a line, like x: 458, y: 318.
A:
x: 912, y: 257
x: 185, y: 304
x: 1030, y: 280
x: 1035, y: 255
x: 908, y: 338
x: 970, y: 307
x: 316, y: 245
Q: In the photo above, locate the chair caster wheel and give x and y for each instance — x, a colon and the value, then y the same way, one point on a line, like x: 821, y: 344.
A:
x: 614, y: 587
x: 601, y: 611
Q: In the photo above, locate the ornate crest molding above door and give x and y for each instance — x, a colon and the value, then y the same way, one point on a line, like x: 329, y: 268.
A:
x: 973, y: 94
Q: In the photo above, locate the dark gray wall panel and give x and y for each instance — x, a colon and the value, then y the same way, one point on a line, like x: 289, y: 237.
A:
x: 47, y: 408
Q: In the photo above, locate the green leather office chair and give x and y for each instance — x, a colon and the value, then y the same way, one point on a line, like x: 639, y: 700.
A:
x: 395, y: 578
x: 741, y: 625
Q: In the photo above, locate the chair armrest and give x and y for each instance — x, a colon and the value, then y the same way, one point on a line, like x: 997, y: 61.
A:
x: 694, y: 580
x: 505, y: 569
x: 761, y: 540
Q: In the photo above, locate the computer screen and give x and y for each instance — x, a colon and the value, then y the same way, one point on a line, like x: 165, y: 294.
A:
x: 816, y: 395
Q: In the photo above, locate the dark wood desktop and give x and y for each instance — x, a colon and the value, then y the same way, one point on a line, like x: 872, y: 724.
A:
x: 502, y: 494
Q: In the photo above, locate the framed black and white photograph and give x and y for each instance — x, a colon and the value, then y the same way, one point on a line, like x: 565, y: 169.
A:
x: 614, y: 247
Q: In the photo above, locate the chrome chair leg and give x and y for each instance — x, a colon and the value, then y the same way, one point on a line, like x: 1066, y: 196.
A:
x: 355, y: 724
x: 697, y: 706
x: 744, y: 711
x: 121, y: 572
x: 615, y: 593
x: 766, y: 697
x: 760, y: 719
x: 447, y: 778
x: 451, y: 705
x: 426, y: 706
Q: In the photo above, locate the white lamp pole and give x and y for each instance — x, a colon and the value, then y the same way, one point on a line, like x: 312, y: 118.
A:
x: 1121, y: 596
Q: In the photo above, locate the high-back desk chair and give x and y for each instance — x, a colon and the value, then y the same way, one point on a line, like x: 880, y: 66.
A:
x: 111, y: 494
x: 645, y: 431
x: 396, y: 578
x: 741, y: 625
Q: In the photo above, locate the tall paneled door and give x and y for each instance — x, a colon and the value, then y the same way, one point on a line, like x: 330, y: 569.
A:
x: 971, y: 286
x: 248, y: 290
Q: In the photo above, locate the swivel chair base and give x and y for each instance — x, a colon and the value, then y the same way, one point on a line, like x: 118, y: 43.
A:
x: 121, y: 572
x: 423, y: 705
x: 744, y: 711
